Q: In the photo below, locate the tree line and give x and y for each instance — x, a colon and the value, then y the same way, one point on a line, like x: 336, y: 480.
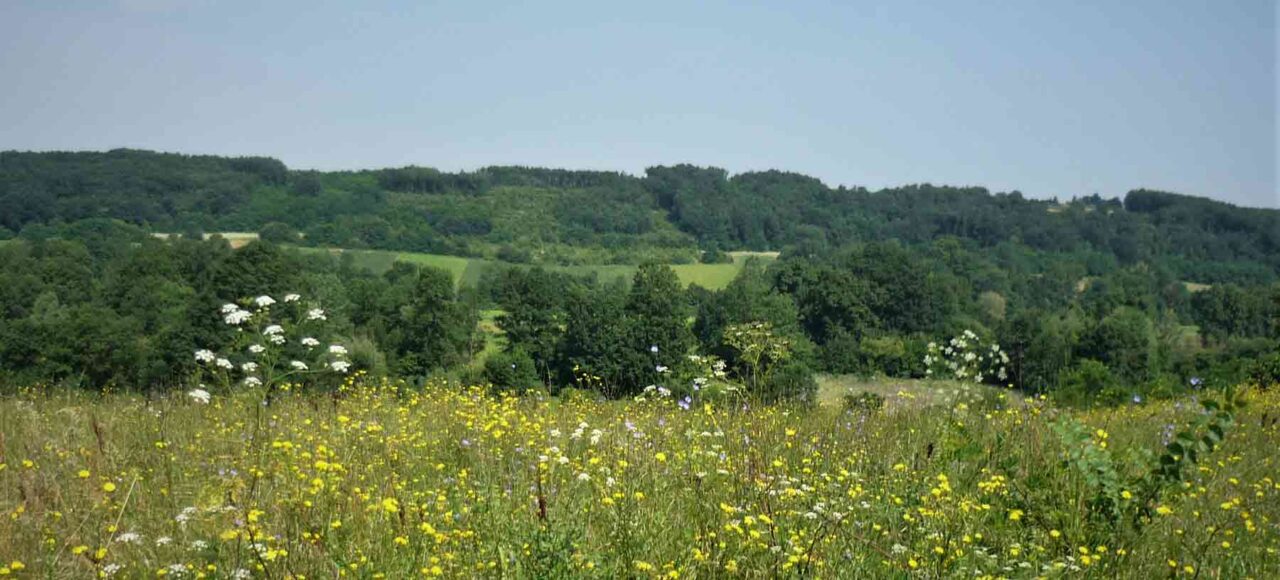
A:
x: 671, y: 213
x: 105, y: 305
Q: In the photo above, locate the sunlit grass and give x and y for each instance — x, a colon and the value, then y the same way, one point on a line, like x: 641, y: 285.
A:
x: 384, y: 481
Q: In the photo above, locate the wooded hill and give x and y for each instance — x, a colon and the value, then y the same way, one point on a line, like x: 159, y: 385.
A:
x: 672, y: 214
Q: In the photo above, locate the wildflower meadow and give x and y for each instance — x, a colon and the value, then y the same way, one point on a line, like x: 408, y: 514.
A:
x: 379, y: 480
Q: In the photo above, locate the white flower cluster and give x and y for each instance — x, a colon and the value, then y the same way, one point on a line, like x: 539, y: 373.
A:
x: 267, y: 346
x: 965, y: 358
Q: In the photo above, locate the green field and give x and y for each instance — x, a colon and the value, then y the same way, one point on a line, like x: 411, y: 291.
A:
x: 467, y: 271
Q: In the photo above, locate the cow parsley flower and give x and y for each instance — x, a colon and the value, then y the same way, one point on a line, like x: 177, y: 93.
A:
x: 204, y: 355
x: 337, y: 349
x: 264, y: 301
x: 199, y: 395
x: 291, y: 297
x: 316, y: 314
x: 228, y: 308
x: 252, y: 382
x: 273, y: 329
x: 224, y: 363
x: 257, y: 348
x: 341, y: 366
x: 276, y: 339
x: 237, y: 317
x: 298, y: 365
x: 310, y: 342
x: 249, y: 367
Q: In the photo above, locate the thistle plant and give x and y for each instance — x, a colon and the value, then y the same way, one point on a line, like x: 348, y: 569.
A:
x: 274, y: 344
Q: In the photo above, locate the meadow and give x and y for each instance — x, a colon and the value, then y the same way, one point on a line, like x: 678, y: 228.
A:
x: 468, y: 271
x: 378, y: 480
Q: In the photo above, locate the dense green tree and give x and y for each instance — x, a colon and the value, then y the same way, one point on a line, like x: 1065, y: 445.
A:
x: 434, y: 329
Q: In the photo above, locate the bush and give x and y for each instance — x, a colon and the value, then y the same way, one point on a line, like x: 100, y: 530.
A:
x: 509, y: 253
x: 1084, y: 382
x: 278, y: 233
x: 863, y: 401
x: 511, y: 371
x: 1266, y: 371
x: 715, y: 256
x: 842, y: 354
x: 791, y: 381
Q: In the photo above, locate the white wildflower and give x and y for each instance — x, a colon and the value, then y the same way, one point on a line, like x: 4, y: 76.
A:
x: 236, y: 318
x: 273, y: 329
x: 341, y: 366
x: 316, y: 314
x: 298, y: 365
x: 257, y: 349
x: 291, y: 297
x: 224, y: 363
x: 204, y: 355
x: 199, y: 395
x: 249, y: 367
x: 264, y: 301
x: 337, y: 349
x: 252, y: 382
x: 310, y: 342
x: 228, y: 308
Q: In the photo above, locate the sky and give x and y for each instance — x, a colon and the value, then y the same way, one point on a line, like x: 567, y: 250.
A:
x: 1049, y: 98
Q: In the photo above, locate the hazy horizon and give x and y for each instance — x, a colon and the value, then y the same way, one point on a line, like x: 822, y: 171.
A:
x: 1048, y: 100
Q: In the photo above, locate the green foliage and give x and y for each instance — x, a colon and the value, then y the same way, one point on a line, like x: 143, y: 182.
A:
x: 863, y: 401
x: 433, y: 330
x: 278, y: 233
x: 511, y: 371
x: 1265, y: 372
x: 1084, y: 381
x: 1157, y: 288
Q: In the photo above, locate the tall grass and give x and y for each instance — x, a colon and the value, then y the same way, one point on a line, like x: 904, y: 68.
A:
x: 376, y: 480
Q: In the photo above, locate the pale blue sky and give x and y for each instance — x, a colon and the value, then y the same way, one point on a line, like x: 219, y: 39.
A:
x: 1047, y: 97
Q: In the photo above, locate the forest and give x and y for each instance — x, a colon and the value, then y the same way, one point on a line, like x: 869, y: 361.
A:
x: 1099, y: 300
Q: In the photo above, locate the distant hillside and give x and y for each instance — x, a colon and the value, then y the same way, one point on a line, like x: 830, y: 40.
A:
x: 672, y: 214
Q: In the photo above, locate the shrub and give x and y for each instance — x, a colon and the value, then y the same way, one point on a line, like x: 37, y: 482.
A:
x: 1084, y: 381
x: 715, y: 256
x: 278, y: 233
x: 1266, y: 371
x: 511, y: 371
x: 790, y: 381
x: 863, y: 401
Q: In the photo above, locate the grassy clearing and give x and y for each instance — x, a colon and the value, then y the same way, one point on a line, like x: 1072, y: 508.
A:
x: 382, y: 481
x: 494, y: 339
x: 236, y: 239
x: 467, y: 271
